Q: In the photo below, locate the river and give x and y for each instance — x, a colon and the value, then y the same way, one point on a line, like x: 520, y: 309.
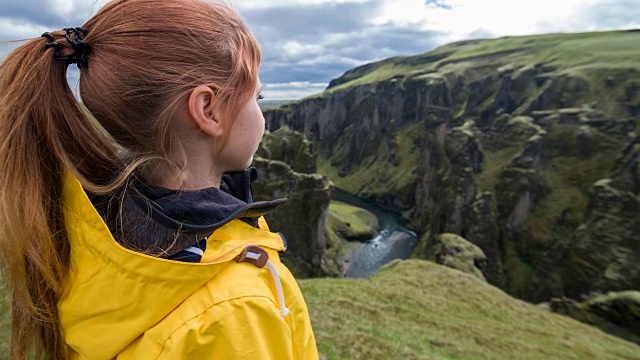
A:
x: 393, y: 241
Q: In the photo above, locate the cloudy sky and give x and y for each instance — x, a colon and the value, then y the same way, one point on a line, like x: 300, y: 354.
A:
x: 306, y: 43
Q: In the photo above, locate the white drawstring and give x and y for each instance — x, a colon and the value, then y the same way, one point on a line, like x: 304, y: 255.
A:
x: 284, y: 311
x: 253, y: 256
x: 248, y: 254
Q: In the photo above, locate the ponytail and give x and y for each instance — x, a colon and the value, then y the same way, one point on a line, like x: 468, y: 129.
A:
x: 43, y: 131
x: 138, y: 71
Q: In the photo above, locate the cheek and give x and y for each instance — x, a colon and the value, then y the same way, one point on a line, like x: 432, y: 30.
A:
x: 261, y: 130
x: 258, y: 124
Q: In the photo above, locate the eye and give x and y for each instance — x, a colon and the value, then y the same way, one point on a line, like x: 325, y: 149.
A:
x: 260, y: 96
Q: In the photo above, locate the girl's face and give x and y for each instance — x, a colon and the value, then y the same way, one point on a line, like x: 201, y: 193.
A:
x: 246, y: 134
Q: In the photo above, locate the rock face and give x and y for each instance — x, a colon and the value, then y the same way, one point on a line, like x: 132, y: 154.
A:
x: 352, y: 223
x: 302, y: 220
x: 615, y: 313
x: 455, y: 252
x: 290, y: 147
x: 347, y: 227
x: 533, y: 159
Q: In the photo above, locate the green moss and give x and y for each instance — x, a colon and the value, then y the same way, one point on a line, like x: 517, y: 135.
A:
x: 543, y: 225
x: 565, y: 198
x: 334, y: 243
x: 383, y: 72
x: 493, y: 164
x: 346, y: 226
x: 350, y: 221
x: 376, y: 174
x: 562, y: 210
x: 325, y: 168
x: 335, y: 250
x: 421, y: 250
x: 517, y: 271
x: 419, y: 310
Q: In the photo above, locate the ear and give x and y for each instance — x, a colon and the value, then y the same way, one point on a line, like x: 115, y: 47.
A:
x: 204, y: 111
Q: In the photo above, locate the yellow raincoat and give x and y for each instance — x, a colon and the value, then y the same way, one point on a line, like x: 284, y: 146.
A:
x: 126, y: 305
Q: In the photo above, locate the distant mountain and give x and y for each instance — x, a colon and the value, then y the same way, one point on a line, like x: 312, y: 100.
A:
x: 272, y: 104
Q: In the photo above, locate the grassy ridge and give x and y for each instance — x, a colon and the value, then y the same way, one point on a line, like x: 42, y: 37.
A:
x: 419, y: 310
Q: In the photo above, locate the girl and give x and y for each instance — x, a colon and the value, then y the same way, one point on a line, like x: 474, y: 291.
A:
x: 139, y: 238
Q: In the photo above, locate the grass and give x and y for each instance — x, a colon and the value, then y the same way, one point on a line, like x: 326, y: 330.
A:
x: 419, y: 310
x: 493, y: 164
x: 375, y: 175
x: 565, y: 197
x: 570, y: 177
x: 350, y: 221
x: 519, y: 272
x: 581, y: 52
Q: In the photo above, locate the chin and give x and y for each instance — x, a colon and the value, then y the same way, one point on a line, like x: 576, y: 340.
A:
x: 247, y: 164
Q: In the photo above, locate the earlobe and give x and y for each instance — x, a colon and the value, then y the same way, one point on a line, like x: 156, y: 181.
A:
x: 202, y: 109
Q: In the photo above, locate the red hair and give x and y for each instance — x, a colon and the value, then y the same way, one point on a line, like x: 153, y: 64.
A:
x: 146, y: 57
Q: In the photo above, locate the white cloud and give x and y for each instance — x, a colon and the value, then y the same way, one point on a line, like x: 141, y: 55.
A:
x: 19, y: 29
x: 461, y: 18
x: 330, y: 59
x: 295, y: 48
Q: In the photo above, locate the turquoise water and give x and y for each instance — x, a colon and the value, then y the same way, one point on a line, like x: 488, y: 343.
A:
x: 394, y: 241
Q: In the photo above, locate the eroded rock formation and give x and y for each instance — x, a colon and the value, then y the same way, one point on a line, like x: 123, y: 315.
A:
x: 302, y: 220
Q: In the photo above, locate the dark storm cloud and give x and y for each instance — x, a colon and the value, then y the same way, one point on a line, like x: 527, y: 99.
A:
x: 331, y: 60
x: 317, y: 43
x: 310, y: 21
x: 397, y: 40
x: 612, y: 14
x: 35, y: 11
x: 41, y: 14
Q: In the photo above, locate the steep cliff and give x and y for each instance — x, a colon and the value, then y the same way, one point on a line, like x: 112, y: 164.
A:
x: 526, y: 147
x: 286, y: 164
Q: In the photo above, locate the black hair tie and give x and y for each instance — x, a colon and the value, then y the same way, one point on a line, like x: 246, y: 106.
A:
x: 75, y: 38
